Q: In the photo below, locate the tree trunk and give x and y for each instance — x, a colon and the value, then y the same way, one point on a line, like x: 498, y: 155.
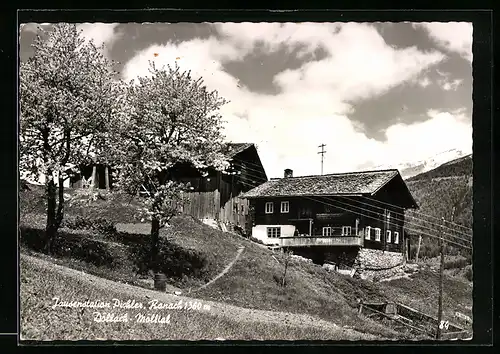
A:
x: 106, y: 176
x: 50, y: 228
x: 60, y: 206
x: 54, y: 217
x: 155, y: 237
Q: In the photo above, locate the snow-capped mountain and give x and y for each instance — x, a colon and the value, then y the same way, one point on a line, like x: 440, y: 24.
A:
x: 413, y: 168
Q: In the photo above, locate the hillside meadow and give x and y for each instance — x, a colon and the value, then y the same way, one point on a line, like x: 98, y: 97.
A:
x: 193, y: 254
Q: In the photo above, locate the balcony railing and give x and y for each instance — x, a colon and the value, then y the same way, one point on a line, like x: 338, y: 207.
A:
x: 303, y: 241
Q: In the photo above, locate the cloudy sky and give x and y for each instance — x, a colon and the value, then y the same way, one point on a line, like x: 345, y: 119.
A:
x: 377, y: 94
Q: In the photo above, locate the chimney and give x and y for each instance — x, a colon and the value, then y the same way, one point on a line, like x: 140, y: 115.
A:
x: 288, y: 173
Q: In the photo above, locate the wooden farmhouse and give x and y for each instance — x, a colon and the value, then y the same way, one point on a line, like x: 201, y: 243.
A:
x: 347, y: 210
x: 214, y: 194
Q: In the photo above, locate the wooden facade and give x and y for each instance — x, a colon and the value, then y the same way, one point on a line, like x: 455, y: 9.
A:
x: 311, y: 215
x: 207, y: 205
x: 98, y: 176
x: 216, y: 195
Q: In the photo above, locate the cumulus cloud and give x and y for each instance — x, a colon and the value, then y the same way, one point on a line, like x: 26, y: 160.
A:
x: 99, y: 32
x: 441, y: 132
x: 32, y: 27
x: 315, y: 100
x: 452, y: 36
x: 272, y: 36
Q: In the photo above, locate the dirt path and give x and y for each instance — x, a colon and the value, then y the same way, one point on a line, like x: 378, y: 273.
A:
x: 228, y: 267
x: 239, y: 314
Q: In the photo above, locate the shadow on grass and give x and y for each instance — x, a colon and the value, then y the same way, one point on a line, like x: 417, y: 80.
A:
x: 128, y: 253
x: 175, y: 261
x: 68, y: 243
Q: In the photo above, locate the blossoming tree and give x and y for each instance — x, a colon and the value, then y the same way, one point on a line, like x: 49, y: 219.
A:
x: 69, y: 97
x: 172, y: 118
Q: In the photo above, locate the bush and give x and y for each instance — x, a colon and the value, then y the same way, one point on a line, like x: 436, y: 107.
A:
x: 32, y: 237
x: 256, y: 240
x: 130, y: 239
x: 100, y: 225
x: 175, y: 261
x: 456, y: 263
x: 69, y: 243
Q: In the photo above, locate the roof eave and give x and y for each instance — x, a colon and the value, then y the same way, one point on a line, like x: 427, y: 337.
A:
x: 414, y: 202
x: 304, y: 195
x: 396, y: 173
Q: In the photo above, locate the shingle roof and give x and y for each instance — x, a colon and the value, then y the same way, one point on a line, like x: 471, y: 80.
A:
x: 327, y: 185
x: 234, y: 149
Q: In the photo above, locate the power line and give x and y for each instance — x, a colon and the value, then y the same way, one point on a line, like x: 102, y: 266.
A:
x: 374, y: 218
x: 374, y: 212
x: 412, y: 217
x: 397, y: 219
x: 389, y: 223
x: 385, y: 203
x: 420, y: 213
x: 407, y: 222
x: 378, y: 219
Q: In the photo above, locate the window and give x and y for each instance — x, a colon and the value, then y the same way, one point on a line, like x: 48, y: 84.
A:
x: 396, y: 237
x: 367, y: 232
x: 388, y: 236
x: 327, y: 231
x: 285, y: 207
x: 346, y: 230
x: 269, y: 207
x: 377, y: 234
x: 274, y: 232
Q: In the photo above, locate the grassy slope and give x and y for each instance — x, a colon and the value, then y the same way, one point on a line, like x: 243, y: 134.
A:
x: 250, y: 283
x: 39, y: 321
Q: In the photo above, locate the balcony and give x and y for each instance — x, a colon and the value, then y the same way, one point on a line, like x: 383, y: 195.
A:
x: 304, y: 241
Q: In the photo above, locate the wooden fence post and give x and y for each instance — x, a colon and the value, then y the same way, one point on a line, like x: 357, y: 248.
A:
x: 440, y: 299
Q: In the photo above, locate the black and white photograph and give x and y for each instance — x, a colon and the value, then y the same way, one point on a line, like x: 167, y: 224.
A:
x: 256, y: 181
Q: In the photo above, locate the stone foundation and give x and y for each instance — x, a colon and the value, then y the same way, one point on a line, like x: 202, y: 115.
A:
x: 364, y: 263
x: 378, y: 260
x: 375, y: 265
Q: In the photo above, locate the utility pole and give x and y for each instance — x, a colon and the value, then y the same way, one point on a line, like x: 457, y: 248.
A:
x: 322, y: 152
x: 441, y: 271
x: 418, y: 248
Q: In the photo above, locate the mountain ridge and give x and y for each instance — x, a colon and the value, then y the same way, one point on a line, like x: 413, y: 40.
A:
x: 410, y: 169
x: 443, y: 192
